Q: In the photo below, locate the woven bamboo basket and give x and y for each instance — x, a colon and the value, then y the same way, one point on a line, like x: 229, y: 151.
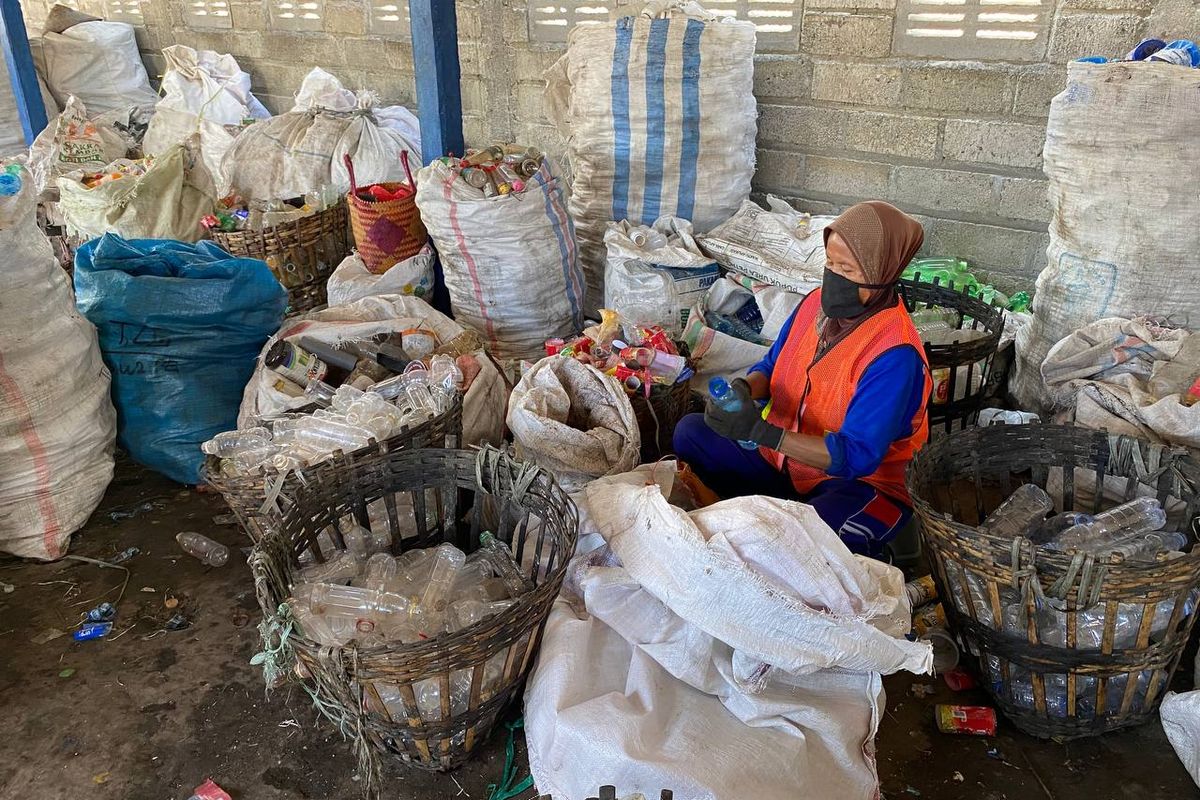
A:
x: 658, y: 416
x: 389, y: 231
x: 245, y: 494
x: 301, y: 254
x: 1070, y: 645
x: 960, y: 370
x: 451, y: 496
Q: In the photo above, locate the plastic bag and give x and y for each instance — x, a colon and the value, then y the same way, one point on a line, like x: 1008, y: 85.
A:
x: 1180, y: 715
x: 99, y: 63
x: 510, y: 262
x: 659, y: 114
x: 57, y: 423
x: 353, y: 281
x: 180, y: 326
x: 163, y: 203
x: 573, y: 420
x: 71, y: 142
x: 778, y: 245
x: 654, y: 275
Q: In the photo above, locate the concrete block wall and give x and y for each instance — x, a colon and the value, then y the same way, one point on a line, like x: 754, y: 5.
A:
x: 849, y: 115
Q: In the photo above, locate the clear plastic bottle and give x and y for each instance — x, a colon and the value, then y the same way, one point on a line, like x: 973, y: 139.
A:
x: 445, y: 372
x: 230, y: 443
x: 379, y: 572
x: 464, y: 613
x: 500, y: 557
x: 342, y: 567
x: 1047, y: 529
x: 212, y: 553
x: 334, y: 615
x: 1019, y: 513
x: 1141, y: 515
x: 447, y: 561
x: 727, y: 400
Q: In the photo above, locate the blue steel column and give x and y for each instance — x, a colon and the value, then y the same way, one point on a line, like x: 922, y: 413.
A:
x: 30, y: 108
x: 435, y: 63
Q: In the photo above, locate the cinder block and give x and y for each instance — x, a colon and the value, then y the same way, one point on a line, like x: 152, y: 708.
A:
x: 859, y: 180
x: 990, y: 248
x: 309, y: 49
x: 364, y: 52
x: 779, y: 172
x: 1078, y: 35
x: 474, y: 95
x: 248, y: 16
x: 1108, y: 5
x: 1024, y: 199
x: 958, y: 87
x: 943, y: 190
x: 852, y: 5
x: 398, y: 54
x: 529, y: 103
x: 1010, y: 144
x: 530, y: 64
x: 1035, y: 90
x: 346, y: 18
x: 862, y: 84
x: 781, y: 76
x: 826, y: 129
x: 274, y: 78
x: 394, y: 87
x: 845, y: 34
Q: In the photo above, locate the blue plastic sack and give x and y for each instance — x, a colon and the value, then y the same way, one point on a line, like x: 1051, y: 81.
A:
x: 180, y: 328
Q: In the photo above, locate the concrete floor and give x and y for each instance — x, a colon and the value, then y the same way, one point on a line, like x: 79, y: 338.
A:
x: 149, y: 713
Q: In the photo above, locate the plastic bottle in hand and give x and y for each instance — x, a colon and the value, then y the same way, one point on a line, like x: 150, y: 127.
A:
x: 500, y: 557
x: 727, y: 400
x: 214, y: 554
x: 1019, y: 513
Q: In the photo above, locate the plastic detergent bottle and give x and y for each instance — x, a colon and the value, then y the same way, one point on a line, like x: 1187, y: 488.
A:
x: 727, y: 400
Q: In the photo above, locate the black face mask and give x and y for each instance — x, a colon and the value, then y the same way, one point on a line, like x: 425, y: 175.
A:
x: 839, y: 296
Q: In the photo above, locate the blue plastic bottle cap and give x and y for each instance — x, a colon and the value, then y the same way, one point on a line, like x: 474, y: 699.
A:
x: 9, y: 185
x: 1145, y: 49
x: 718, y: 387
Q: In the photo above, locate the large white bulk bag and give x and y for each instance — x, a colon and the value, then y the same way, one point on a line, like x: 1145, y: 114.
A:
x: 1125, y: 225
x: 509, y: 261
x: 99, y: 63
x: 660, y: 118
x: 57, y: 423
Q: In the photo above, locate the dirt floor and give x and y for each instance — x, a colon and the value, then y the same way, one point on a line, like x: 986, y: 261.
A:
x: 149, y: 713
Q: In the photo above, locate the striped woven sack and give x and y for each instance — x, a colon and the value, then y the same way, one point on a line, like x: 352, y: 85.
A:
x: 386, y: 232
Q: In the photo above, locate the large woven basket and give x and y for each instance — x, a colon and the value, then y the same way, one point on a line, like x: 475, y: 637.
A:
x: 658, y: 416
x: 246, y: 494
x: 960, y: 370
x: 301, y: 254
x: 1048, y: 677
x: 451, y: 496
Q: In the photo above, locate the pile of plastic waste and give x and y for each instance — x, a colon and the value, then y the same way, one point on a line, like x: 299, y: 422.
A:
x: 349, y: 419
x: 232, y: 213
x: 957, y: 272
x: 638, y: 356
x: 497, y: 170
x: 1182, y: 52
x: 1130, y: 532
x: 363, y: 594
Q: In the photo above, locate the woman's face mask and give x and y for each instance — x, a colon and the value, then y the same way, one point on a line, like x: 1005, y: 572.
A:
x: 839, y: 296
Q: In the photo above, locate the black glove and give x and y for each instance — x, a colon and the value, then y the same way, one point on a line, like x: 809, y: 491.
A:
x: 744, y: 425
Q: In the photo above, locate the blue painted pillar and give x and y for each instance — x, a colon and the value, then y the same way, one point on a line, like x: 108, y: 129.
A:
x: 435, y: 63
x: 30, y: 108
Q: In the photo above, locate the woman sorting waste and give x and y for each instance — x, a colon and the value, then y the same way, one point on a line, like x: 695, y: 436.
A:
x: 846, y: 385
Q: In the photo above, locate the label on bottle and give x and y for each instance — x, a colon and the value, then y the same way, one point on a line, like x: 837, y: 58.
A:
x: 921, y: 591
x: 301, y: 366
x: 926, y: 617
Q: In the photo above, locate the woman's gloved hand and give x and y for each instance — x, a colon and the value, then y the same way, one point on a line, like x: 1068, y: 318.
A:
x: 745, y: 424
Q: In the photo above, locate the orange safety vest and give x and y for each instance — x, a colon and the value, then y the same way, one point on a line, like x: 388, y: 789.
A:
x: 812, y: 395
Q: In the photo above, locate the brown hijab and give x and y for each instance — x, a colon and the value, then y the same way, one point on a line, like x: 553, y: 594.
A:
x: 883, y: 239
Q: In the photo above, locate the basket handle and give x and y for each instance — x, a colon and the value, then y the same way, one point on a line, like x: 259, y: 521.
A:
x: 350, y: 168
x: 408, y: 170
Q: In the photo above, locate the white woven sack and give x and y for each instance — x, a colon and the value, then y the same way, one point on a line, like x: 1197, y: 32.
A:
x: 777, y: 245
x: 57, y: 422
x: 1125, y: 224
x: 573, y: 420
x: 352, y: 281
x: 99, y: 63
x: 659, y: 114
x: 510, y: 262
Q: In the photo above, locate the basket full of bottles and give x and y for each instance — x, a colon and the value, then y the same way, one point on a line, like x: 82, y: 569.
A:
x: 302, y: 239
x: 961, y: 333
x: 365, y: 398
x: 1062, y: 553
x: 409, y: 593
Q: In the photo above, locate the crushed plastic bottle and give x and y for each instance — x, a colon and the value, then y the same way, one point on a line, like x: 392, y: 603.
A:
x: 1019, y: 513
x: 212, y: 553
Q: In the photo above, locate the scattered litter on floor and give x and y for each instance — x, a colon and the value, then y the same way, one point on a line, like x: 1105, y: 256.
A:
x: 958, y: 777
x: 66, y: 673
x: 124, y: 555
x: 921, y: 690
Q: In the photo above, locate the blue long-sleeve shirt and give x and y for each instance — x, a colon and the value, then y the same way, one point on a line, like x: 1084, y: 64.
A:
x: 881, y: 411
